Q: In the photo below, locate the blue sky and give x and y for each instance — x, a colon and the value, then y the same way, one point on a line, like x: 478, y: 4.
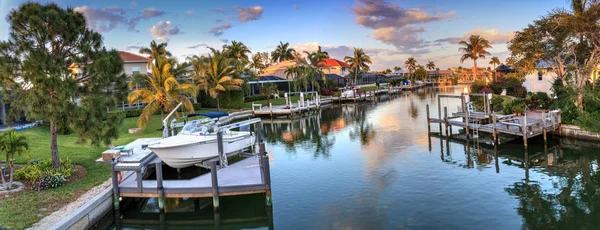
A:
x: 390, y: 31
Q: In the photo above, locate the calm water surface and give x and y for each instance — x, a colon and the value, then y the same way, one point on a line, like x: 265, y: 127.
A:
x: 373, y: 166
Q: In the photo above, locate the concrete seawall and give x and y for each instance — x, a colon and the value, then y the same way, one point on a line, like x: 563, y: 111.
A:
x: 576, y: 132
x: 88, y: 214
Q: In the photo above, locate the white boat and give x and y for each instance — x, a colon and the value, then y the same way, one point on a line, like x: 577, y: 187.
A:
x: 197, y: 142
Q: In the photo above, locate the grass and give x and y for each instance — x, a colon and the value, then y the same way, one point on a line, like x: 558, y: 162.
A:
x: 23, y: 210
x: 275, y: 101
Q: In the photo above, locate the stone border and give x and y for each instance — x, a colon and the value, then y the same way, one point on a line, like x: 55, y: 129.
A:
x: 576, y: 132
x: 88, y: 214
x: 20, y: 185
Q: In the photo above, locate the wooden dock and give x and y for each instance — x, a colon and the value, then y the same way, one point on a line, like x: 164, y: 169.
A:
x: 131, y: 175
x: 491, y: 123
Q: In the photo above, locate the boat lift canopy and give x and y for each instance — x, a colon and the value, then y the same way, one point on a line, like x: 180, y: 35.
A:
x: 214, y: 114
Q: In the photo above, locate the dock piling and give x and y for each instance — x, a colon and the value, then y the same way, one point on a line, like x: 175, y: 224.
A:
x: 494, y: 130
x: 222, y: 156
x: 446, y: 119
x: 544, y: 125
x: 215, y: 185
x: 525, y: 129
x: 439, y: 105
x: 428, y: 120
x: 115, y: 186
x: 159, y: 186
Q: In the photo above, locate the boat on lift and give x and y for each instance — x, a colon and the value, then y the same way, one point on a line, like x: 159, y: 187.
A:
x: 197, y: 141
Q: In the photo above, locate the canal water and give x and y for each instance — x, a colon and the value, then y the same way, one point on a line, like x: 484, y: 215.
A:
x: 374, y: 166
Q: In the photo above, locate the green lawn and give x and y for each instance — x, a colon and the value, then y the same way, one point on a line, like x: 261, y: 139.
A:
x: 23, y: 210
x: 275, y: 101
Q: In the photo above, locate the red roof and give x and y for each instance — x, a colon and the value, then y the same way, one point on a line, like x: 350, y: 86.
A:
x: 131, y: 57
x: 330, y: 62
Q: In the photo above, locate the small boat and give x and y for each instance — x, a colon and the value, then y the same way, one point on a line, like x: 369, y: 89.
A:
x: 197, y: 141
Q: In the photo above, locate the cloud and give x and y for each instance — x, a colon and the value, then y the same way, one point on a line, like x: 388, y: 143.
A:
x: 295, y: 7
x: 492, y: 35
x: 394, y: 25
x: 196, y: 46
x: 225, y: 40
x: 218, y: 10
x: 249, y: 14
x: 133, y: 3
x: 151, y: 13
x: 164, y: 30
x: 134, y: 47
x: 218, y: 30
x: 219, y: 20
x: 190, y: 12
x: 380, y: 13
x: 105, y: 19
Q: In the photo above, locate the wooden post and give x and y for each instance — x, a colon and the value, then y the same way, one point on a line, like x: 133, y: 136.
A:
x: 428, y: 121
x: 258, y: 132
x: 159, y: 186
x: 215, y: 185
x: 266, y: 178
x: 494, y: 132
x: 525, y: 129
x: 115, y: 184
x: 559, y: 123
x: 222, y: 155
x: 139, y: 177
x: 446, y: 119
x: 439, y: 105
x: 544, y: 125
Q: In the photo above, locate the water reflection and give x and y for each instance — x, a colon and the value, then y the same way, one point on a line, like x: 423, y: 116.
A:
x: 245, y: 212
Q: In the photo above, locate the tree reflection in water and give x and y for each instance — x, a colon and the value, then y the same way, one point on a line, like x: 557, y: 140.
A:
x: 361, y: 128
x: 574, y: 199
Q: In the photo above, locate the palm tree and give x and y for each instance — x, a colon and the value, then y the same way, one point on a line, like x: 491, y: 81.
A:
x: 268, y: 89
x: 156, y: 51
x: 236, y: 50
x: 299, y: 58
x: 311, y: 73
x: 317, y: 56
x: 397, y: 68
x: 12, y: 144
x: 257, y: 63
x: 162, y: 92
x: 474, y: 49
x: 178, y: 69
x: 495, y: 61
x: 411, y: 65
x: 430, y: 65
x: 359, y: 61
x: 283, y: 52
x: 292, y: 71
x: 218, y: 76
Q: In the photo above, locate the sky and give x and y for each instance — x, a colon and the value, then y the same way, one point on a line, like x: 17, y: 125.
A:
x: 390, y: 31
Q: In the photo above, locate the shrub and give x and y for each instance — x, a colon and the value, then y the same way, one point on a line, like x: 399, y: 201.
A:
x: 497, y: 103
x: 517, y: 106
x: 229, y: 99
x: 539, y: 100
x: 41, y: 175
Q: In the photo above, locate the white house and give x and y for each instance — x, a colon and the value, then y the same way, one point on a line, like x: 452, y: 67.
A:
x: 540, y: 80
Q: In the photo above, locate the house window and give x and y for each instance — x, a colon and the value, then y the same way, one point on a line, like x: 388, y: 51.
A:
x: 135, y: 70
x: 540, y: 75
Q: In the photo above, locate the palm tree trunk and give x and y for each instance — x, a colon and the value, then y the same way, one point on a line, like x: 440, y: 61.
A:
x: 218, y: 106
x: 12, y: 171
x: 54, y: 144
x: 3, y: 180
x: 474, y: 69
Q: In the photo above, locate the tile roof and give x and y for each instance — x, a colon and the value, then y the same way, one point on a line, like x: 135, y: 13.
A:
x: 131, y: 57
x: 330, y: 62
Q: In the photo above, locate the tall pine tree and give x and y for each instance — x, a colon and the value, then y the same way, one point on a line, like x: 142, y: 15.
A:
x: 44, y: 42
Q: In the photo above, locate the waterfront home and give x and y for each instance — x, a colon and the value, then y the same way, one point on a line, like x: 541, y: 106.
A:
x: 278, y: 69
x: 540, y: 80
x: 333, y: 66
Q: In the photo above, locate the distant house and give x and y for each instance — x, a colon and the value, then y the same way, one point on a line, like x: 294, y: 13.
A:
x: 133, y: 64
x: 278, y: 69
x: 333, y: 66
x: 283, y: 85
x: 501, y: 71
x: 540, y: 80
x: 339, y: 80
x: 368, y: 78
